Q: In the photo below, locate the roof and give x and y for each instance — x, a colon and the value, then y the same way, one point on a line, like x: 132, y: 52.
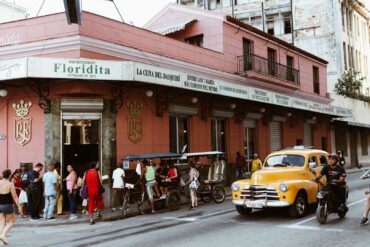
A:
x: 299, y: 152
x: 210, y: 153
x: 175, y: 27
x: 271, y: 37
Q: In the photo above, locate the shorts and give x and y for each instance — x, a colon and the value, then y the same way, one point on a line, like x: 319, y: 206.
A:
x: 6, y: 208
x: 149, y: 189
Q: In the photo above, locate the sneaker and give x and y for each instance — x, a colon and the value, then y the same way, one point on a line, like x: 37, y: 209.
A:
x: 73, y: 216
x: 51, y: 218
x: 364, y: 221
x: 92, y: 222
x: 114, y: 210
x: 34, y: 219
x: 163, y: 196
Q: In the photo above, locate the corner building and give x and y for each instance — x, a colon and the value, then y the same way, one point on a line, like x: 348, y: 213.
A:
x: 103, y: 90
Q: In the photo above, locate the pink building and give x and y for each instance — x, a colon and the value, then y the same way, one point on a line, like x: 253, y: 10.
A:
x: 103, y: 90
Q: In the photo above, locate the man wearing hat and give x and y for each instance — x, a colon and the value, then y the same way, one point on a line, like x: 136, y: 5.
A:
x: 256, y: 163
x: 336, y: 178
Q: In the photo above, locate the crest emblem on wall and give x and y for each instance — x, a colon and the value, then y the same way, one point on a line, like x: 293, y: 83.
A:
x: 135, y: 122
x: 23, y: 123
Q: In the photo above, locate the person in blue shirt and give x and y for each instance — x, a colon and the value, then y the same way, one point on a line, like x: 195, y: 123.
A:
x: 51, y: 192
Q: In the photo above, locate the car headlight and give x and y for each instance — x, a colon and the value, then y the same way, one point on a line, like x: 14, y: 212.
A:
x: 235, y: 187
x: 283, y: 187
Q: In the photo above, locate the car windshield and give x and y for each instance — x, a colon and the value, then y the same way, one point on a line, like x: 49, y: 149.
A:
x: 285, y: 160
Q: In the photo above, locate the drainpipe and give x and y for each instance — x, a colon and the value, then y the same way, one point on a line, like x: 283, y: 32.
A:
x: 263, y: 17
x: 292, y: 20
x: 232, y: 8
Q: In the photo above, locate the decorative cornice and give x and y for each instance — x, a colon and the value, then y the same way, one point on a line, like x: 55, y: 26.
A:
x: 79, y: 42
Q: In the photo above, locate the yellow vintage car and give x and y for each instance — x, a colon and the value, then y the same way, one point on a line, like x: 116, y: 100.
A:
x: 285, y: 180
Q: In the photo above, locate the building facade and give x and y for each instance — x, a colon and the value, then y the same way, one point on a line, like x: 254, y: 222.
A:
x: 337, y: 31
x: 104, y: 89
x: 10, y: 11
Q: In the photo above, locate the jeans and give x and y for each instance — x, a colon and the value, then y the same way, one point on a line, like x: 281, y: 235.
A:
x: 239, y: 174
x: 72, y: 201
x: 50, y: 202
x: 34, y: 200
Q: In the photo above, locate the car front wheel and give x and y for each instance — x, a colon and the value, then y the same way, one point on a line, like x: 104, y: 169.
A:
x: 299, y: 208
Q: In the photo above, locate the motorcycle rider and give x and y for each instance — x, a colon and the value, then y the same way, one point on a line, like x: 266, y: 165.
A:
x: 365, y: 220
x: 336, y: 179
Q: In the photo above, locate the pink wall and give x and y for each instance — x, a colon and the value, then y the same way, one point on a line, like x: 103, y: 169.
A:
x: 223, y: 41
x: 13, y: 152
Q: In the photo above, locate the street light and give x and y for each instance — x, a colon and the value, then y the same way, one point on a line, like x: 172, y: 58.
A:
x: 73, y: 11
x: 3, y: 93
x: 149, y: 93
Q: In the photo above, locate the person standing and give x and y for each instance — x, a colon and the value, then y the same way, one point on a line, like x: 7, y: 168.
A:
x: 149, y: 174
x: 240, y: 166
x: 193, y: 185
x: 35, y: 191
x: 72, y: 190
x: 93, y: 180
x: 17, y: 181
x: 57, y: 167
x: 256, y: 163
x: 25, y: 186
x: 51, y: 192
x: 118, y: 187
x: 7, y: 197
x: 364, y: 219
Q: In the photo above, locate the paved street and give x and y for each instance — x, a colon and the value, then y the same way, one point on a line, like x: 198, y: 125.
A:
x: 210, y: 225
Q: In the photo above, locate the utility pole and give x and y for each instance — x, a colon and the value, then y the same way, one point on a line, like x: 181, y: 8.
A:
x: 232, y: 8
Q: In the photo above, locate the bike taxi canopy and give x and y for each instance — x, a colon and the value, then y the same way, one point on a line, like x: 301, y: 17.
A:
x: 151, y: 156
x: 211, y: 153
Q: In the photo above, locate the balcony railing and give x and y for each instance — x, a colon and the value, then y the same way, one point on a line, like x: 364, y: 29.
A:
x: 251, y: 62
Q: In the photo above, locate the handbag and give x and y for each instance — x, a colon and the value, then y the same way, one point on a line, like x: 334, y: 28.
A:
x: 83, y: 192
x: 101, y: 189
x: 23, y: 197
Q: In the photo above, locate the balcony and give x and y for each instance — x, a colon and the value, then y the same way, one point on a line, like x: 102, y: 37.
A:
x: 251, y: 62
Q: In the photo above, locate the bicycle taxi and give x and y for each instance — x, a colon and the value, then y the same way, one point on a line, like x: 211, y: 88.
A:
x: 211, y: 166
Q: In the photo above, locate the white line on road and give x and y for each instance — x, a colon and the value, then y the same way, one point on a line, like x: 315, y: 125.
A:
x: 191, y: 219
x: 313, y: 228
x: 187, y: 219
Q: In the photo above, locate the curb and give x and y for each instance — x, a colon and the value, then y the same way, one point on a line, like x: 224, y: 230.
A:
x: 107, y: 218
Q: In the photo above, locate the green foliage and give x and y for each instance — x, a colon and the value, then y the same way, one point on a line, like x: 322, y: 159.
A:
x: 350, y: 86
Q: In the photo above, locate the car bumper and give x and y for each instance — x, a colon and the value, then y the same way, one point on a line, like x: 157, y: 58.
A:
x: 265, y: 204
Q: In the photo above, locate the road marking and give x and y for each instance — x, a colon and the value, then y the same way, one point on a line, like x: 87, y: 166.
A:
x: 187, y: 219
x: 312, y: 228
x: 217, y: 213
x: 312, y: 218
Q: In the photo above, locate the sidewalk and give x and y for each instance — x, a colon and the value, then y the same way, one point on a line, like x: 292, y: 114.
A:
x: 108, y: 215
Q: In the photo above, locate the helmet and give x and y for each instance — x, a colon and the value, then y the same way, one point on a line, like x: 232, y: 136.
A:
x: 334, y: 156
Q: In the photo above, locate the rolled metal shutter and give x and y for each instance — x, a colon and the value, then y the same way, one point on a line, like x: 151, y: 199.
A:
x: 250, y: 123
x: 307, y: 134
x: 275, y: 136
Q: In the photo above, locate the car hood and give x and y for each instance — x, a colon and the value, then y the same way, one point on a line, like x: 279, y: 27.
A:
x: 275, y: 175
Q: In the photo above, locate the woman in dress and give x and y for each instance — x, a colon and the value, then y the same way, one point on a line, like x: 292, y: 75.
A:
x: 193, y: 185
x: 18, y: 184
x: 93, y: 181
x: 7, y: 198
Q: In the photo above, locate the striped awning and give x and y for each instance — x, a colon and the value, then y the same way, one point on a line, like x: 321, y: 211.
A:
x: 175, y: 27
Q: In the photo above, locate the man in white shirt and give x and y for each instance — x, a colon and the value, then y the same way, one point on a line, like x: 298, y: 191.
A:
x: 118, y: 187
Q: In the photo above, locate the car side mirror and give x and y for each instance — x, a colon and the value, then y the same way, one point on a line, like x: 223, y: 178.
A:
x: 312, y: 165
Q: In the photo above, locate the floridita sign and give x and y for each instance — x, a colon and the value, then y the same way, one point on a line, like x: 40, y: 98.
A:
x: 87, y: 69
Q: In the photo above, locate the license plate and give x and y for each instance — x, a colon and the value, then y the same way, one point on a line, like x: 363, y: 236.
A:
x: 254, y: 204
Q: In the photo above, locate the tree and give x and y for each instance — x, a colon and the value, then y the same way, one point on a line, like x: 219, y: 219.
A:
x: 350, y: 85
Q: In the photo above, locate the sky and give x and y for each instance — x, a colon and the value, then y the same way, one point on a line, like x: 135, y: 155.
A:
x: 136, y: 12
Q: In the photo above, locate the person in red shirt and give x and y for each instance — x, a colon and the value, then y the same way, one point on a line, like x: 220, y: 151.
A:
x: 93, y: 180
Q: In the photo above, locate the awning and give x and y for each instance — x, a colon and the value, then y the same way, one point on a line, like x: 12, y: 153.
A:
x: 357, y: 124
x: 175, y: 27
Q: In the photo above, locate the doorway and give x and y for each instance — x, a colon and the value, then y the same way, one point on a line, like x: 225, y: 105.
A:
x: 353, y: 148
x: 81, y: 144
